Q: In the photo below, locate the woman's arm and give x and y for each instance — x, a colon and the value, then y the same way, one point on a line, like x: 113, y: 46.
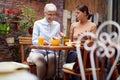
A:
x: 93, y: 29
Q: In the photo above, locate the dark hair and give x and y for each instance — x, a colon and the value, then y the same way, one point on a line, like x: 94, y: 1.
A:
x: 84, y: 8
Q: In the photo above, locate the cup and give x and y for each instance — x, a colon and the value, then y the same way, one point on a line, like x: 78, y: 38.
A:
x: 66, y: 39
x: 40, y: 40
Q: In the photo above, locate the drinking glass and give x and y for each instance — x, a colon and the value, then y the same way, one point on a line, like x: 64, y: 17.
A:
x: 40, y: 40
x: 66, y: 39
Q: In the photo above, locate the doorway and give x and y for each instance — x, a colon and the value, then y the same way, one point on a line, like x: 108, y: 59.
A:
x: 116, y: 11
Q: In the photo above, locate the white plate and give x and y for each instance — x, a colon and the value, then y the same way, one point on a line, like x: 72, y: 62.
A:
x: 7, y: 67
x: 70, y: 43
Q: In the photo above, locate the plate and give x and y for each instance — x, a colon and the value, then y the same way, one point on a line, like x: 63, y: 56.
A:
x: 70, y: 43
x: 81, y: 43
x: 8, y: 67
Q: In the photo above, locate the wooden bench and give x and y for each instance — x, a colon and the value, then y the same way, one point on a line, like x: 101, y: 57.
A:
x: 24, y: 42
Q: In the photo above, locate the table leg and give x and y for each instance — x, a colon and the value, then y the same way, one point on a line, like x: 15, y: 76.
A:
x: 47, y: 52
x: 46, y: 61
x: 58, y: 65
x: 55, y: 63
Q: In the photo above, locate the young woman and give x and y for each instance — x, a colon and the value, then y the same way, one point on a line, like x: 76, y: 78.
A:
x: 82, y: 25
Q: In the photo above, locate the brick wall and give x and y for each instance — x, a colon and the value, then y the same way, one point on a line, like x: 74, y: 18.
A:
x: 8, y: 52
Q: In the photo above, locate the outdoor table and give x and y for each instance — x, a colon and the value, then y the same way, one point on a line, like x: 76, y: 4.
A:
x: 54, y: 48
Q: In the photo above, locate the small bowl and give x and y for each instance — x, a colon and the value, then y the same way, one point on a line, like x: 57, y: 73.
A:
x: 55, y: 42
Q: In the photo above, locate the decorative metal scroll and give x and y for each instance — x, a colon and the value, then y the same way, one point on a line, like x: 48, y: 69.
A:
x: 104, y: 42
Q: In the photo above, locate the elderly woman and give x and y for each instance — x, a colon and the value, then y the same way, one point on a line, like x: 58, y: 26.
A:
x: 47, y: 28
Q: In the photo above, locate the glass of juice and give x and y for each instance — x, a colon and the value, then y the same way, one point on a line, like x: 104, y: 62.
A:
x: 66, y: 39
x: 40, y: 40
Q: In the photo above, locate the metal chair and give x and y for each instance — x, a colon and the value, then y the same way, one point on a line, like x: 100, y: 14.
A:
x: 105, y: 46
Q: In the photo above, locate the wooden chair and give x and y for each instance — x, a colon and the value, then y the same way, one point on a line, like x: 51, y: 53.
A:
x: 24, y: 42
x: 86, y: 64
x: 105, y: 46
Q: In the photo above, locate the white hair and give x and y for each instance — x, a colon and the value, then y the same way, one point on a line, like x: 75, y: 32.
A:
x: 50, y: 7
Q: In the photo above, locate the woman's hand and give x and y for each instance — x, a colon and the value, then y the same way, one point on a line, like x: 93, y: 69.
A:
x: 55, y: 38
x: 46, y: 43
x: 61, y: 34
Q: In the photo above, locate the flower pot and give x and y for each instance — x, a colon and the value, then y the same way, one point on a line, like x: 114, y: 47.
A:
x: 10, y: 41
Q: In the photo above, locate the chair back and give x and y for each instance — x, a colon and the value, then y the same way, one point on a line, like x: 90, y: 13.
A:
x: 24, y: 41
x: 105, y: 44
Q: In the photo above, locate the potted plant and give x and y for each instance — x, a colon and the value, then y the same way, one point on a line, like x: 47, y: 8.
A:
x: 4, y: 22
x: 27, y: 19
x: 7, y: 18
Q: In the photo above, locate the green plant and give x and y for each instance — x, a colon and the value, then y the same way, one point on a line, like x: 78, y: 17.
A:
x: 4, y: 23
x: 24, y: 24
x: 4, y: 28
x: 3, y: 17
x: 27, y: 18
